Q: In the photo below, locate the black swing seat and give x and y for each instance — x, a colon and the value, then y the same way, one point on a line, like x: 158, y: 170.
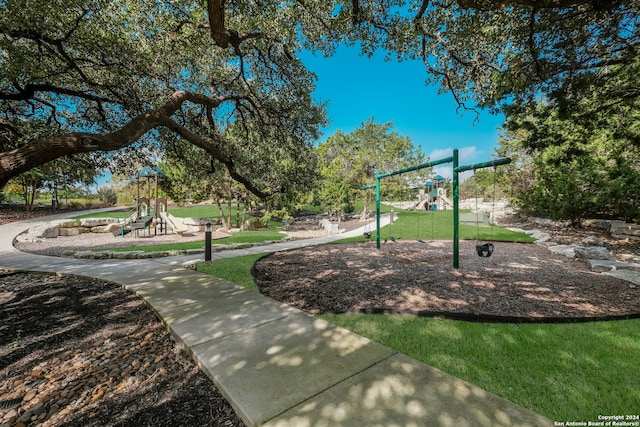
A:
x: 367, y: 234
x: 484, y: 249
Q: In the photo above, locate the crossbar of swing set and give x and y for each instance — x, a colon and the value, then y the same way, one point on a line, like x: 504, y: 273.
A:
x: 408, y: 169
x: 456, y: 170
x: 379, y: 176
x: 494, y: 163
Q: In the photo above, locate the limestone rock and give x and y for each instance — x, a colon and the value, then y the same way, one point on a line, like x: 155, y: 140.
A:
x: 623, y: 230
x: 593, y: 252
x: 144, y: 255
x: 540, y: 236
x: 602, y: 224
x: 102, y: 228
x: 567, y: 250
x: 241, y: 245
x: 602, y: 265
x: 66, y: 223
x: 95, y: 222
x: 102, y: 255
x: 131, y: 254
x: 628, y: 275
x: 159, y: 254
x: 45, y: 231
x: 592, y: 241
x: 71, y: 231
x: 84, y: 255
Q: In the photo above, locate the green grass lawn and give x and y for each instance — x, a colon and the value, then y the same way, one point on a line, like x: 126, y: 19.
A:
x: 567, y: 372
x: 208, y: 211
x: 434, y: 225
x: 257, y: 236
x: 122, y: 213
x: 563, y: 371
x: 236, y: 270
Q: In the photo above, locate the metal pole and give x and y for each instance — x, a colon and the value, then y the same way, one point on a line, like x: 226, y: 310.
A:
x: 456, y: 212
x: 207, y: 244
x: 377, y: 212
x: 496, y: 162
x: 415, y: 168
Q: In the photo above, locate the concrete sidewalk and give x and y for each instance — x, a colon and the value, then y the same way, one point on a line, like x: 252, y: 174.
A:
x: 276, y: 365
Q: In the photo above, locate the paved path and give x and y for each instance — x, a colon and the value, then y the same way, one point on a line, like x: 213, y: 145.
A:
x: 277, y: 365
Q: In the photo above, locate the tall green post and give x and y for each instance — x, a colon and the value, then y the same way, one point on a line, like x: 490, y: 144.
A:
x: 456, y: 212
x: 377, y: 212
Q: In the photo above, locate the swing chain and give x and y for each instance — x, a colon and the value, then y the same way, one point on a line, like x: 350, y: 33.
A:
x: 486, y: 249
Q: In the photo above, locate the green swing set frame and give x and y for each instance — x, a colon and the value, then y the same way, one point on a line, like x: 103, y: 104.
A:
x: 456, y: 190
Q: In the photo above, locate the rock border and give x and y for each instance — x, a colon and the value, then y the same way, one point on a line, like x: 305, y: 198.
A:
x: 594, y: 254
x: 108, y: 254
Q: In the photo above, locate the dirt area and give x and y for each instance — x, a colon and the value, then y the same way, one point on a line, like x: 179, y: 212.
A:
x: 519, y: 282
x: 80, y: 352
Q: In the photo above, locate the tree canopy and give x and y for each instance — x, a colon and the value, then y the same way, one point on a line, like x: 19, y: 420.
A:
x: 105, y: 76
x: 571, y: 168
x: 87, y: 76
x: 350, y: 161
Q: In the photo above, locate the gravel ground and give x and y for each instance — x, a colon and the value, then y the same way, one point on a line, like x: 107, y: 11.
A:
x: 81, y: 352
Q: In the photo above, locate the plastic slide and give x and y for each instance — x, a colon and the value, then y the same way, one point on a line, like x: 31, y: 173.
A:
x: 173, y: 222
x: 447, y: 201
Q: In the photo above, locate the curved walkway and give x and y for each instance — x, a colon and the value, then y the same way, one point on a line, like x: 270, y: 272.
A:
x: 276, y: 365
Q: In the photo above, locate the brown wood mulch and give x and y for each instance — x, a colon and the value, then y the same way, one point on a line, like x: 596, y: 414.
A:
x: 519, y: 282
x: 76, y: 351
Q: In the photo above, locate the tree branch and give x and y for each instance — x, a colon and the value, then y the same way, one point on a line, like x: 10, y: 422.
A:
x: 29, y: 91
x: 216, y: 153
x: 44, y: 150
x: 539, y: 4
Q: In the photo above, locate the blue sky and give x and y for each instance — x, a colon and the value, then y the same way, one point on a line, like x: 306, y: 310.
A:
x: 357, y: 88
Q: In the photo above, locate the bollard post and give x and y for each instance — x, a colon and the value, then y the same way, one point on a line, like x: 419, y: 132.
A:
x: 207, y: 244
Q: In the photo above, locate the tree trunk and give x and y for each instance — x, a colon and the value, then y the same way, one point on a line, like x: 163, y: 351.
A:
x: 229, y: 195
x: 238, y: 223
x: 245, y: 207
x: 225, y: 225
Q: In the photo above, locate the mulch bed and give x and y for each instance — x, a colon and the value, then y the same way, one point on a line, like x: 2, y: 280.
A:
x: 84, y: 352
x: 519, y: 282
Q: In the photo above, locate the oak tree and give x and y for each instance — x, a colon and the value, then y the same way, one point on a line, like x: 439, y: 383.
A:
x: 105, y: 76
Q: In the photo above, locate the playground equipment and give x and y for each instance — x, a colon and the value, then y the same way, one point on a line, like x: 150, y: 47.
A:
x: 456, y: 189
x: 144, y: 214
x: 171, y: 221
x: 434, y: 195
x: 485, y: 249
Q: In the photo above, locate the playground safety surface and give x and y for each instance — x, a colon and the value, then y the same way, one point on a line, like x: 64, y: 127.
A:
x: 519, y: 282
